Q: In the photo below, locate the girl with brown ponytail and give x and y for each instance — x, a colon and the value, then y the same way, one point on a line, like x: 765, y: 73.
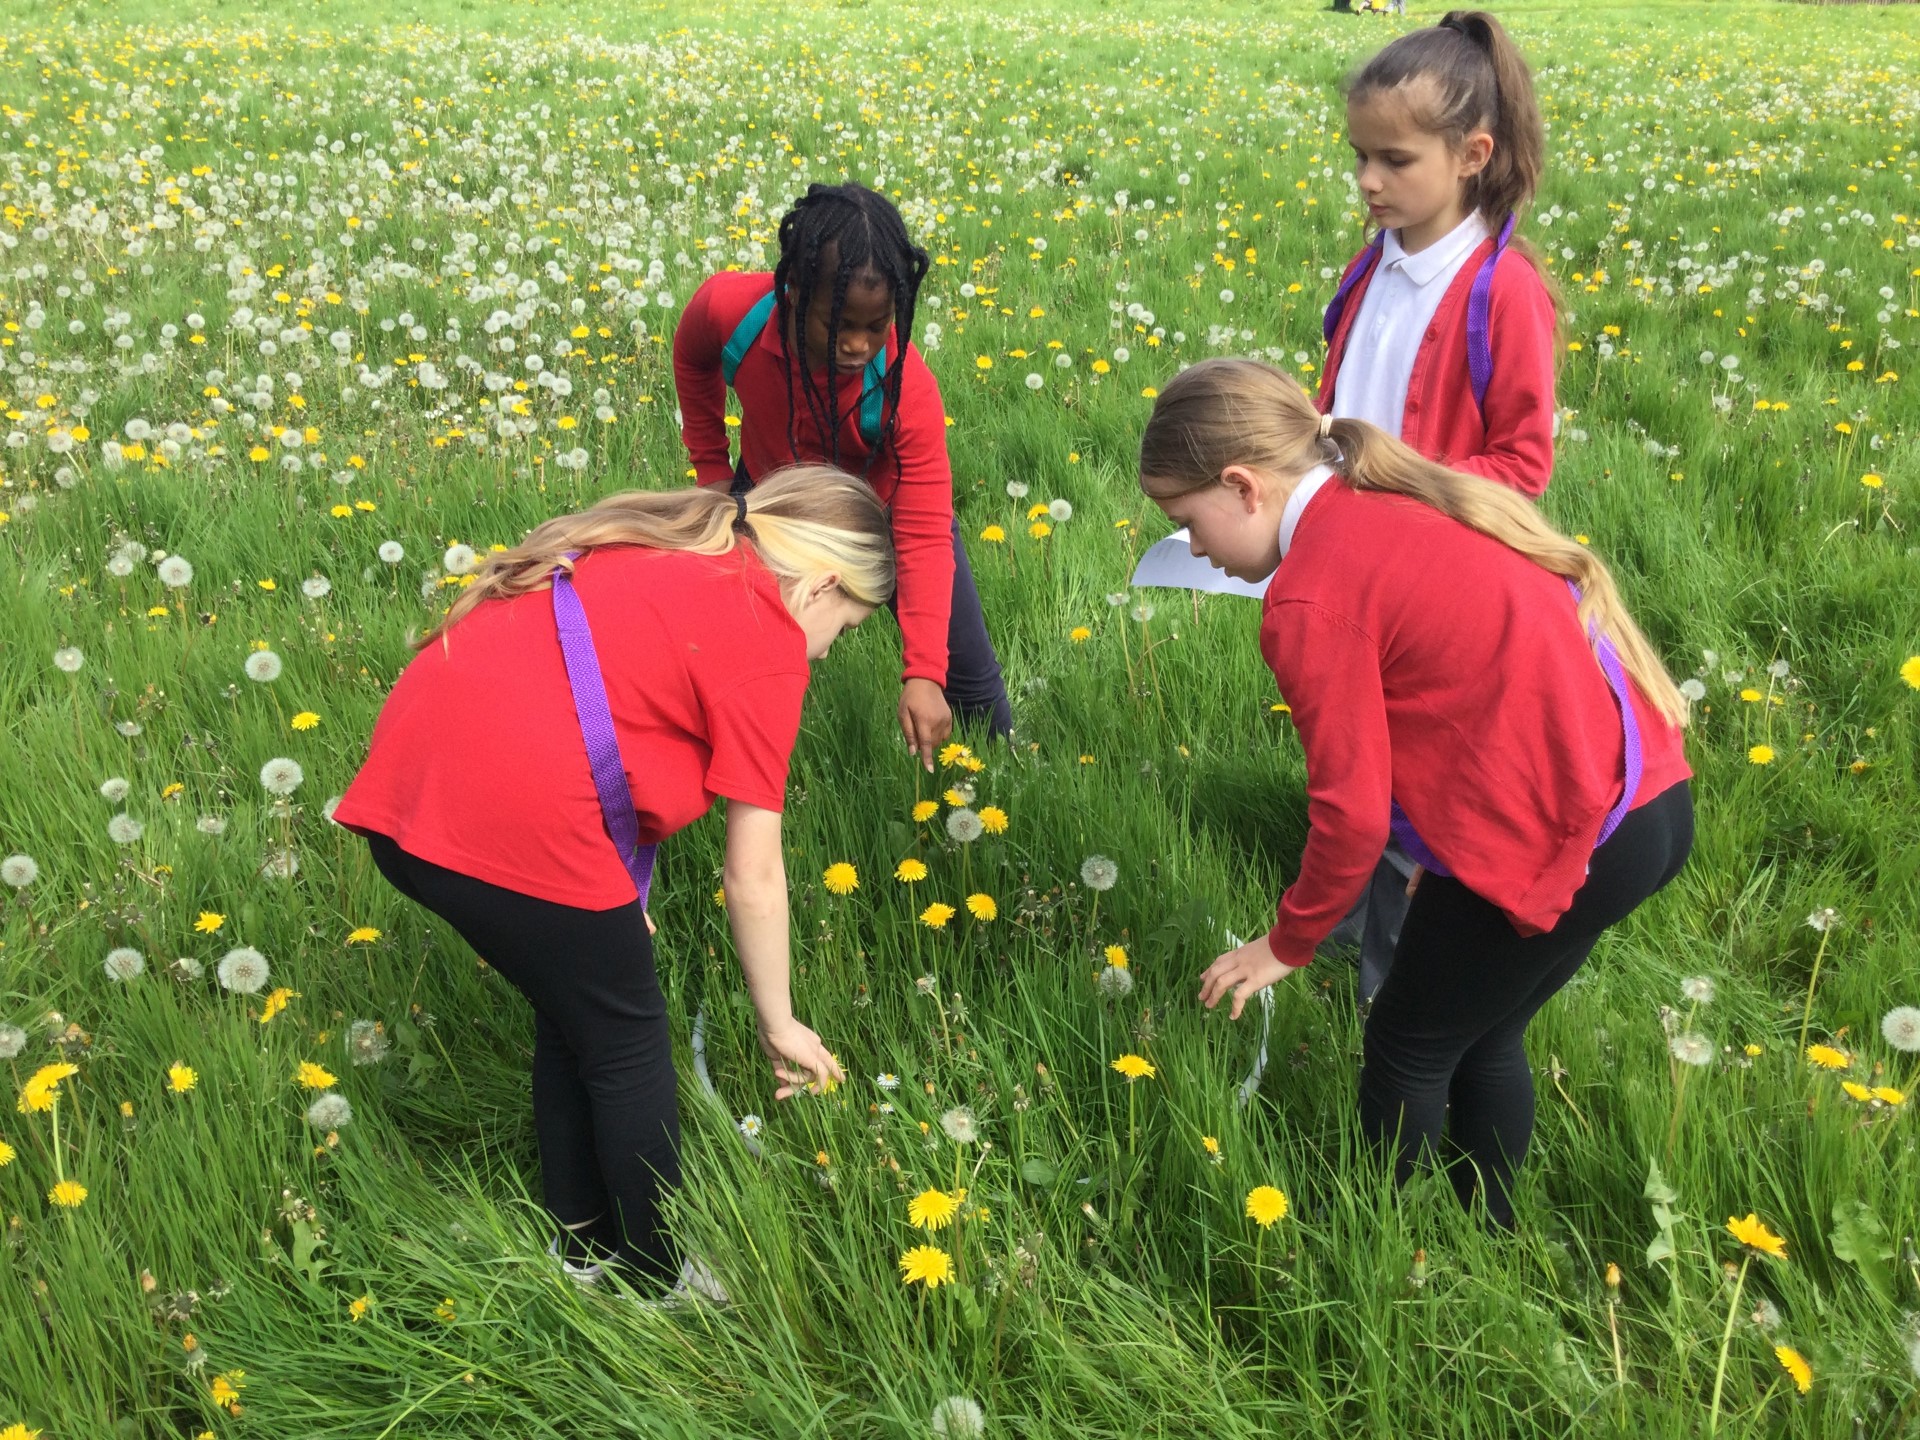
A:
x: 1463, y: 677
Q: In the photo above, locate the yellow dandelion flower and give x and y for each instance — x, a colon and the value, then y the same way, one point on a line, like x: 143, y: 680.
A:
x: 43, y: 1087
x: 1858, y: 1091
x: 1751, y: 1233
x: 928, y: 1265
x: 181, y: 1078
x: 994, y: 535
x: 1760, y: 755
x: 357, y: 1310
x: 19, y: 1431
x: 1211, y: 1145
x: 1135, y: 1067
x: 841, y: 878
x: 445, y: 1310
x: 1910, y: 671
x: 1265, y: 1205
x: 7, y: 1154
x: 314, y: 1077
x: 276, y: 1001
x: 1117, y: 956
x: 982, y: 907
x: 1080, y: 634
x: 226, y: 1388
x: 209, y: 922
x: 931, y: 1209
x: 1887, y: 1095
x: 1828, y: 1058
x: 305, y: 720
x: 953, y: 753
x: 925, y: 810
x: 936, y: 915
x: 258, y: 454
x: 993, y: 820
x: 362, y: 935
x: 1754, y: 1051
x: 1750, y: 695
x: 68, y: 1194
x: 1795, y: 1364
x: 1039, y: 529
x: 910, y: 871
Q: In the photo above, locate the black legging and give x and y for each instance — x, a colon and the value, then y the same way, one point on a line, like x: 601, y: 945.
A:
x: 976, y: 691
x: 604, y: 1107
x: 1447, y: 1026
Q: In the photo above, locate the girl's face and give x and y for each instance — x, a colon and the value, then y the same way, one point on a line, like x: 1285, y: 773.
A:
x: 1235, y: 525
x: 1412, y: 180
x: 865, y: 318
x: 825, y: 613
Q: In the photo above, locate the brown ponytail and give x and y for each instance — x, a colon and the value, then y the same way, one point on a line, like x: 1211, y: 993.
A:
x: 1241, y: 412
x: 1475, y: 79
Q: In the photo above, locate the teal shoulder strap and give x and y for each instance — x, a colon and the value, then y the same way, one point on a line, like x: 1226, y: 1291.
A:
x: 873, y: 392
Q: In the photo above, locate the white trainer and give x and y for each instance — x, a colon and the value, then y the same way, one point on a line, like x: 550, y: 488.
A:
x: 588, y: 1274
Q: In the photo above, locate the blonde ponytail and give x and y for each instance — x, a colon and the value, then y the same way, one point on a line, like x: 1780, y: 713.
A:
x: 804, y: 522
x: 1242, y: 412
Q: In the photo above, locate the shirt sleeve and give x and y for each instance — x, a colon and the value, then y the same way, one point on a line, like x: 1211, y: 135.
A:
x: 1329, y: 672
x: 751, y: 728
x: 1519, y: 406
x: 701, y: 391
x: 922, y: 516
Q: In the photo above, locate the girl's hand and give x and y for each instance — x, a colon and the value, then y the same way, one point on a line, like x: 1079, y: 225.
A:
x: 800, y: 1061
x: 1413, y: 880
x: 652, y: 929
x: 1244, y: 971
x: 925, y: 719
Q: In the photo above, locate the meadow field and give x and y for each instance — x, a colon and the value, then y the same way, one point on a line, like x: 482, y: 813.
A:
x: 302, y: 306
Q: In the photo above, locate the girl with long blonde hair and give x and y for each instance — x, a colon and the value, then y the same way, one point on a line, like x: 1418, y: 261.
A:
x: 1463, y: 677
x: 594, y: 690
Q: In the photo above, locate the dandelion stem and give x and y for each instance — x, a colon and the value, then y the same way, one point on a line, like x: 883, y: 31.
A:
x: 1679, y: 1097
x: 1726, y: 1342
x: 59, y: 1169
x: 1806, y: 1015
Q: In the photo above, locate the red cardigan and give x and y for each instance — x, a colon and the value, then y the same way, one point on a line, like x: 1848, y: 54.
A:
x: 1512, y: 442
x: 1480, y: 708
x: 911, y: 474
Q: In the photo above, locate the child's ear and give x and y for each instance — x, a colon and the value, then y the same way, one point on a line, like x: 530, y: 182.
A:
x: 1475, y: 153
x: 1244, y: 486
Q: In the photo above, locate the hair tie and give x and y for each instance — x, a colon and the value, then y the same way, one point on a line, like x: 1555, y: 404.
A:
x: 1326, y: 425
x: 740, y: 508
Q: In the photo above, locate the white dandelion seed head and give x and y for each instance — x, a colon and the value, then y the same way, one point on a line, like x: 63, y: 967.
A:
x: 1691, y: 1049
x: 12, y: 1041
x: 1035, y: 381
x: 965, y: 826
x: 1143, y: 612
x: 69, y: 659
x: 119, y: 566
x: 114, y: 789
x: 316, y: 587
x: 175, y: 571
x: 1060, y: 511
x: 280, y: 865
x: 19, y: 871
x: 138, y: 430
x: 1016, y: 490
x: 367, y: 1042
x: 242, y: 970
x: 960, y: 1125
x: 1114, y: 982
x: 330, y: 1111
x: 1117, y: 598
x: 459, y: 560
x: 1766, y: 1315
x: 1698, y: 989
x: 187, y: 969
x: 1823, y: 919
x: 926, y: 984
x: 751, y: 1126
x: 1694, y: 689
x: 1778, y: 669
x: 124, y: 963
x: 1900, y: 1027
x: 263, y: 667
x: 1097, y: 872
x: 392, y: 552
x: 281, y: 776
x: 123, y: 829
x: 333, y: 804
x: 958, y: 1418
x: 211, y: 825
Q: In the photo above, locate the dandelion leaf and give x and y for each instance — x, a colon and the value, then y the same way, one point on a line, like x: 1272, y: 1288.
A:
x: 1660, y: 1196
x: 1036, y: 1171
x: 1859, y: 1238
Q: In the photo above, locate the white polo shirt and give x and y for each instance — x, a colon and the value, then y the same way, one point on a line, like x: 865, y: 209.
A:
x: 1401, y: 298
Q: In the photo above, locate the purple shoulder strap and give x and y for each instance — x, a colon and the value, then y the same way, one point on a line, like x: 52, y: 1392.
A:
x: 1479, y: 308
x: 596, y: 727
x: 1633, y: 761
x: 1368, y: 258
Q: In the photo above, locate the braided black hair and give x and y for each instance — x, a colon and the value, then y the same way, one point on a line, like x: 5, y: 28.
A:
x: 866, y: 234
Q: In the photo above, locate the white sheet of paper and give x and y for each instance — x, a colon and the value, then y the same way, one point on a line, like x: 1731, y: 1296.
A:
x: 1171, y: 564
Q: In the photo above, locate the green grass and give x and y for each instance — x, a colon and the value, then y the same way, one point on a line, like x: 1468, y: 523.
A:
x: 1114, y: 1288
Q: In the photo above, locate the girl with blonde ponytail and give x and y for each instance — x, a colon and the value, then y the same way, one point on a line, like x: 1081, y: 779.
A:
x: 592, y: 692
x: 1463, y: 677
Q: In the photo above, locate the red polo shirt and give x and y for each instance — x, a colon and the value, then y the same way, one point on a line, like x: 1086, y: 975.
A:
x: 1480, y: 708
x: 911, y: 473
x: 1511, y: 441
x: 477, y: 762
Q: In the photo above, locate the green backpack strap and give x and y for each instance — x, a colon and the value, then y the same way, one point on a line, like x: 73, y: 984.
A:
x: 873, y: 382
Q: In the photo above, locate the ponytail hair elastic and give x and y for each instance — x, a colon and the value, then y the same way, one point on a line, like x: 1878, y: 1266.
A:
x: 1326, y: 425
x: 740, y: 511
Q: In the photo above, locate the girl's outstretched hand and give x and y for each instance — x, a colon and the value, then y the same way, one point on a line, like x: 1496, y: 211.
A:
x: 1245, y: 971
x: 925, y: 718
x: 800, y: 1061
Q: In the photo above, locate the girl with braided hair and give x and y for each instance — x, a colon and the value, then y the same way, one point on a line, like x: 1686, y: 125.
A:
x: 820, y: 354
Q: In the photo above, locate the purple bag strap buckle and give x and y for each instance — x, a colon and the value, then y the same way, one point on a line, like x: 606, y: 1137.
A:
x: 1479, y: 310
x: 596, y: 728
